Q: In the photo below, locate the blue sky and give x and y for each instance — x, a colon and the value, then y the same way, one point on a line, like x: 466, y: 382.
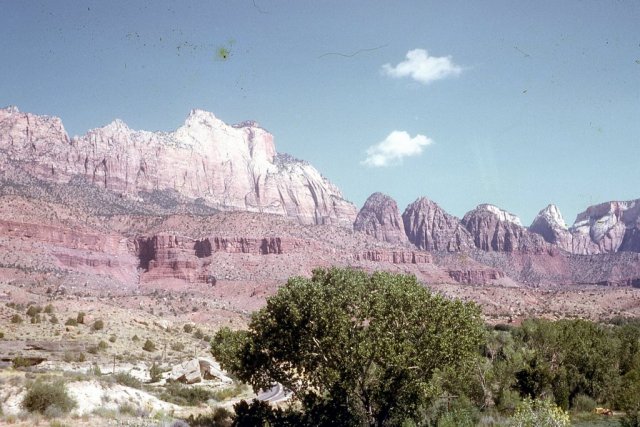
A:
x: 536, y: 102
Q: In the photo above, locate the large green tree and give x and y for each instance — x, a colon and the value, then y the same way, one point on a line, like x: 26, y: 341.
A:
x: 367, y: 349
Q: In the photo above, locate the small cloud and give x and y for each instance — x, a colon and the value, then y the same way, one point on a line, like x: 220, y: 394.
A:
x: 396, y: 146
x: 423, y: 68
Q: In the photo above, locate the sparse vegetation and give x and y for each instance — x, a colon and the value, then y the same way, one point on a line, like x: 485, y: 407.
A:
x: 125, y: 378
x: 71, y: 322
x: 149, y: 346
x: 187, y: 328
x: 185, y: 395
x: 45, y: 396
x: 80, y: 317
x: 155, y: 373
x: 16, y: 319
x: 98, y: 325
x: 177, y: 346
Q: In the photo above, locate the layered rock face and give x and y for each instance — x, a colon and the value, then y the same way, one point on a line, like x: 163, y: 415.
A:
x: 494, y: 229
x: 430, y: 228
x: 380, y: 218
x: 607, y: 227
x: 230, y: 167
x: 550, y: 224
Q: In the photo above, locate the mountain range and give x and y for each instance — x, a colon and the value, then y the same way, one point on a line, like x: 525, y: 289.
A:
x: 216, y: 204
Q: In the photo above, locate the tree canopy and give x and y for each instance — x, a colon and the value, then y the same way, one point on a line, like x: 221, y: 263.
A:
x: 355, y: 349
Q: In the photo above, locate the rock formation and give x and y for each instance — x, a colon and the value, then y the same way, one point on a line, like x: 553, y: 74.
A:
x: 607, y: 227
x: 550, y: 224
x: 229, y: 167
x: 493, y: 229
x: 430, y: 228
x: 380, y: 218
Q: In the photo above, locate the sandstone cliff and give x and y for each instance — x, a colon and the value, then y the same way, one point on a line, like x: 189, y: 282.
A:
x: 229, y: 167
x: 607, y: 227
x: 430, y: 228
x: 495, y: 230
x: 380, y: 218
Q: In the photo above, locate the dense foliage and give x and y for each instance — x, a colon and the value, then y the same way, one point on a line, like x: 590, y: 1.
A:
x: 358, y: 349
x: 365, y: 349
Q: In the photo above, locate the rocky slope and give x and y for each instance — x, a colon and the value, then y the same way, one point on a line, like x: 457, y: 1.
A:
x: 227, y: 167
x: 380, y: 218
x: 495, y: 230
x: 429, y: 227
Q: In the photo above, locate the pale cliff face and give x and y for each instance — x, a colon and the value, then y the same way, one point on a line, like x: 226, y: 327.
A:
x: 230, y: 167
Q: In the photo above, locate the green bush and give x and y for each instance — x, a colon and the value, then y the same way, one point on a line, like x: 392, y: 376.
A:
x: 33, y: 310
x: 177, y: 346
x: 98, y: 325
x: 220, y: 416
x: 534, y: 413
x: 583, y: 403
x: 125, y: 378
x: 185, y: 395
x: 149, y: 345
x: 16, y: 319
x: 41, y: 396
x: 21, y: 362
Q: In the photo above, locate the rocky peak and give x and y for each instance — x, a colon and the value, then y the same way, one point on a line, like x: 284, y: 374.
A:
x: 429, y: 227
x: 501, y: 214
x: 380, y: 217
x: 550, y: 224
x: 496, y: 230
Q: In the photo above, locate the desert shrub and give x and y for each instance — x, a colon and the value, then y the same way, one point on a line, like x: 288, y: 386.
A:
x: 98, y: 325
x: 185, y: 395
x: 93, y: 349
x: 228, y: 392
x: 36, y: 319
x: 128, y: 409
x: 187, y: 328
x: 33, y: 310
x: 177, y: 346
x: 1, y: 335
x: 43, y: 395
x: 149, y: 345
x: 48, y: 309
x: 219, y: 417
x: 71, y: 322
x: 80, y: 317
x: 198, y: 334
x: 155, y: 373
x: 53, y: 319
x: 102, y: 345
x: 113, y: 338
x: 16, y: 318
x: 135, y: 338
x: 125, y: 378
x: 95, y: 370
x: 21, y: 362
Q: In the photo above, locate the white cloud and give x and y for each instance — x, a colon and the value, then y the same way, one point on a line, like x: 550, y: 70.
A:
x: 396, y: 146
x: 422, y: 67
